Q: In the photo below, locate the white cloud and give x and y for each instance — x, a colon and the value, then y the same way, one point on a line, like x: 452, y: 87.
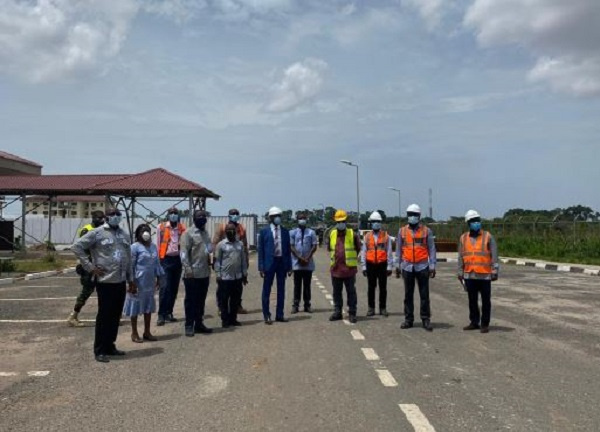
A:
x: 564, y: 36
x: 430, y: 10
x: 300, y: 83
x: 49, y: 39
x: 239, y: 10
x: 179, y: 10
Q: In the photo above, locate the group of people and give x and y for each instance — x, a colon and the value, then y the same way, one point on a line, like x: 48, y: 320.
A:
x: 126, y: 276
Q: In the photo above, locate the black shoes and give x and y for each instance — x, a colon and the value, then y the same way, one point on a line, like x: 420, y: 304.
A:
x: 406, y: 325
x: 225, y: 324
x: 189, y: 331
x: 116, y: 352
x: 336, y: 316
x: 294, y: 309
x: 102, y: 358
x: 282, y: 320
x: 171, y: 318
x: 471, y: 327
x: 485, y: 329
x: 160, y: 321
x: 352, y: 319
x: 203, y: 329
x: 370, y: 312
x: 307, y: 309
x: 236, y: 323
x: 383, y: 312
x: 268, y: 321
x: 427, y: 325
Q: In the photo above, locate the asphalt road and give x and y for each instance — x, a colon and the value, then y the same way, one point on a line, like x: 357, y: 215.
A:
x: 537, y: 370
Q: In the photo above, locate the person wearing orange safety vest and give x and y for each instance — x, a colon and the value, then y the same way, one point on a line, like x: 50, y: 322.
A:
x: 168, y: 235
x: 416, y: 260
x: 377, y: 261
x: 477, y: 268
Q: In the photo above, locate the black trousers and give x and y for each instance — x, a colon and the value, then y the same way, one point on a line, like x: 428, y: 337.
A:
x: 230, y: 292
x: 111, y: 297
x: 474, y: 288
x: 422, y: 279
x: 338, y: 287
x: 195, y: 300
x: 169, y: 287
x: 302, y: 280
x: 377, y: 274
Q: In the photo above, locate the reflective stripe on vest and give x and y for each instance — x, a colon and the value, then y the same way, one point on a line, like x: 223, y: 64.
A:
x: 164, y: 232
x: 351, y: 255
x: 88, y: 227
x: 376, y: 252
x: 414, y: 245
x: 477, y: 257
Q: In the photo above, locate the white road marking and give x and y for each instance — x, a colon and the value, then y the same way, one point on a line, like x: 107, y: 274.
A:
x: 357, y: 335
x: 331, y: 301
x: 386, y: 378
x: 39, y: 286
x: 40, y: 298
x: 41, y: 321
x: 370, y: 354
x: 38, y: 373
x: 8, y: 374
x: 328, y: 296
x: 416, y: 418
x: 564, y: 268
x: 347, y: 322
x: 540, y: 265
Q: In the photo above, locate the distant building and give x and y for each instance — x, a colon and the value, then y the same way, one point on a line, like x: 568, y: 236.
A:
x: 11, y: 165
x: 76, y: 207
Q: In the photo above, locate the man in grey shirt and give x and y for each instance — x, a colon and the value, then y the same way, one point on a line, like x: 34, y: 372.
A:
x: 231, y: 267
x: 196, y: 248
x: 110, y: 265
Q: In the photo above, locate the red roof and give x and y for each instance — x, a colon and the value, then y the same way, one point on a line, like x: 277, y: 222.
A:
x: 155, y: 182
x: 12, y: 157
x: 69, y: 198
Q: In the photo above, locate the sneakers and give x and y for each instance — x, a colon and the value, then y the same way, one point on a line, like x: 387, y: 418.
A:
x: 370, y: 312
x: 73, y: 320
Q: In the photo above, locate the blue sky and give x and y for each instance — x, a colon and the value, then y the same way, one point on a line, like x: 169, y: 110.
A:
x: 492, y: 103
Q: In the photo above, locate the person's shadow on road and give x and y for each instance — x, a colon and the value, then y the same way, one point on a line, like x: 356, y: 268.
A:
x: 503, y: 329
x: 139, y: 353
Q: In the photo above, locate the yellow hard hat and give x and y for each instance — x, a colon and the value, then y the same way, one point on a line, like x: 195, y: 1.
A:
x: 340, y: 216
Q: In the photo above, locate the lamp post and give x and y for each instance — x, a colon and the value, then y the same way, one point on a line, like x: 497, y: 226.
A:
x: 350, y: 163
x: 399, y: 201
x: 323, y: 217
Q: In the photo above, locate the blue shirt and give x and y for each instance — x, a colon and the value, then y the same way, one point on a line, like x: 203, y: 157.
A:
x: 303, y: 244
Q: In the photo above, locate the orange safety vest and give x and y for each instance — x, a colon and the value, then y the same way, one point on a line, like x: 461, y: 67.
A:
x: 414, y: 245
x: 376, y: 252
x: 477, y: 257
x: 164, y: 234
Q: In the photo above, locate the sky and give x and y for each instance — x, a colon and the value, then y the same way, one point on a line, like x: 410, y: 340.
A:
x: 494, y: 104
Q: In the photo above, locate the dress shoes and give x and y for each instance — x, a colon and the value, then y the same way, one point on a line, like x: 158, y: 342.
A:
x: 427, y: 325
x: 307, y: 309
x: 116, y: 352
x: 268, y: 321
x: 471, y: 327
x: 102, y: 358
x: 189, y: 331
x: 160, y: 321
x: 485, y: 329
x: 336, y: 316
x: 406, y: 325
x: 171, y: 318
x: 352, y: 319
x: 203, y: 329
x: 282, y: 320
x: 294, y: 309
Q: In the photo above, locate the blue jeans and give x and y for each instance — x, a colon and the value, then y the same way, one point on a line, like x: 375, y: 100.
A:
x: 195, y: 300
x: 277, y: 271
x: 169, y: 286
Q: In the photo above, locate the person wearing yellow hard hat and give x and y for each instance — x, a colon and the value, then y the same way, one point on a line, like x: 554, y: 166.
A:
x: 344, y: 247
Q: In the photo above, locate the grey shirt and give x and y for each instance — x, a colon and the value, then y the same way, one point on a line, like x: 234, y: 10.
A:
x: 492, y: 247
x: 109, y: 250
x: 230, y: 260
x: 195, y: 250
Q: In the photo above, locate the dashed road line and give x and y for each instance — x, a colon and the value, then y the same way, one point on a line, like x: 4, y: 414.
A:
x: 30, y: 373
x: 39, y: 298
x: 49, y: 321
x: 328, y: 296
x: 386, y: 378
x: 347, y: 322
x: 8, y: 374
x: 370, y: 354
x: 416, y: 418
x: 331, y: 301
x: 357, y: 335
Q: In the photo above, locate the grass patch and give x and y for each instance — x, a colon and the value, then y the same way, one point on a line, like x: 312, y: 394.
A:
x: 46, y: 263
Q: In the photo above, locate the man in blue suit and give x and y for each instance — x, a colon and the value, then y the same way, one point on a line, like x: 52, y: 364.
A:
x: 274, y: 261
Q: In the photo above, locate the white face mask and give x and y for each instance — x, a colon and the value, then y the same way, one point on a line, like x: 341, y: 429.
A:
x: 146, y: 236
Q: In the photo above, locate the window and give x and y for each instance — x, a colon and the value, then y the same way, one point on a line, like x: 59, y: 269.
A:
x: 93, y: 205
x: 101, y: 204
x: 54, y: 213
x: 73, y: 204
x: 45, y: 213
x: 73, y: 213
x: 34, y: 212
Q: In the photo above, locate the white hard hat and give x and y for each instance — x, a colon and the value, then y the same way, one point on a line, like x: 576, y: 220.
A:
x: 274, y: 211
x: 375, y: 217
x: 471, y: 214
x: 413, y: 208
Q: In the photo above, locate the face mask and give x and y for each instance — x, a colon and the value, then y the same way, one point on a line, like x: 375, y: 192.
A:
x: 413, y: 220
x: 341, y: 226
x: 174, y: 217
x: 277, y: 220
x: 475, y: 226
x: 234, y: 218
x: 302, y: 222
x: 146, y: 236
x: 376, y: 226
x: 200, y: 223
x: 114, y: 221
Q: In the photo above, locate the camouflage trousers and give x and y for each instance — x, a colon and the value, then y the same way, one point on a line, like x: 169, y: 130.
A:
x: 87, y: 288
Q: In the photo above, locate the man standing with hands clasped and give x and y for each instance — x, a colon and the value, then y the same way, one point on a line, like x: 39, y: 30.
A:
x: 109, y: 263
x: 304, y: 243
x: 477, y: 268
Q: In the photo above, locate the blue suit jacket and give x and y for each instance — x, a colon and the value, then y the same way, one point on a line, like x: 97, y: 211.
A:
x: 266, y: 249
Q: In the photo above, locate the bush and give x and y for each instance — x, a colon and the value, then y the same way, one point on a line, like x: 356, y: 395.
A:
x: 7, y: 266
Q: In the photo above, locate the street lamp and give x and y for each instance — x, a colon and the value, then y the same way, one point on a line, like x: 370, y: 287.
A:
x: 399, y: 201
x: 323, y: 205
x: 350, y: 163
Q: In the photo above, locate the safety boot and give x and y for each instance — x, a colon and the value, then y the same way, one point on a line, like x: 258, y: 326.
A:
x: 73, y: 320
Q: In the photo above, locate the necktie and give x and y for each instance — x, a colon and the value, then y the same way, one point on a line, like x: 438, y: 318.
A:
x: 277, y: 242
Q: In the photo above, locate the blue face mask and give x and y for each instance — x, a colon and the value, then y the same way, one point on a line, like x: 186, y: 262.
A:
x: 174, y: 217
x: 376, y: 226
x: 234, y: 218
x: 341, y: 226
x: 302, y: 222
x: 475, y: 226
x: 113, y: 220
x: 277, y: 220
x: 413, y: 220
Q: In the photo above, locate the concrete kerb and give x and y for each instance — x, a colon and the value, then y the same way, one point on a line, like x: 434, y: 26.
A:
x: 541, y: 265
x: 40, y: 275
